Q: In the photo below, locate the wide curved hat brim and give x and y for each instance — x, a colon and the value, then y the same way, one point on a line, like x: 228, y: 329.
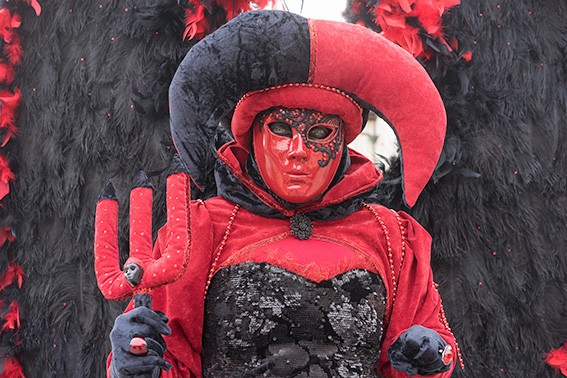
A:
x: 265, y: 49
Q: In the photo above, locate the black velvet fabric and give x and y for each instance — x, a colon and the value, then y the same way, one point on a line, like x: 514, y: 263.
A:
x: 418, y: 351
x: 81, y: 123
x: 499, y: 236
x: 262, y: 320
x: 257, y: 50
x: 145, y: 323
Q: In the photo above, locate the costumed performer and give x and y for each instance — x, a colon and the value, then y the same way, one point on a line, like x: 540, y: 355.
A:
x: 289, y: 272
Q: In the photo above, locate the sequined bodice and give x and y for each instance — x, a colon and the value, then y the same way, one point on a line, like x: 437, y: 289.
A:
x: 262, y: 320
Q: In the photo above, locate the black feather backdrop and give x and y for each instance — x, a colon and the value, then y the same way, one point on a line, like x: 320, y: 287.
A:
x: 497, y: 204
x: 94, y: 84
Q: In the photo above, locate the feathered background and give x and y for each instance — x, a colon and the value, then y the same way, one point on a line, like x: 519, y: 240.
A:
x: 93, y: 79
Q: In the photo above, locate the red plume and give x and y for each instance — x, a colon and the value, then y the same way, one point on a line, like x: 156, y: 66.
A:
x: 12, y: 318
x: 557, y: 358
x: 235, y: 7
x: 14, y: 50
x: 6, y: 73
x: 14, y: 272
x: 35, y: 5
x: 9, y: 105
x: 393, y: 16
x: 196, y: 24
x: 6, y: 176
x: 12, y: 369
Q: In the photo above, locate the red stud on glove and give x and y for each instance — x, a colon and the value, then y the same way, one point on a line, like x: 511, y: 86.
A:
x: 138, y: 346
x: 446, y: 355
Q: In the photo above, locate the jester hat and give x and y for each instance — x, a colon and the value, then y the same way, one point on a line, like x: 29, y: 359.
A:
x: 263, y: 59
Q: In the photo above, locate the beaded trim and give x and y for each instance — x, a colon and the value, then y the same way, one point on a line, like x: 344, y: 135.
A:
x: 403, y: 233
x: 390, y: 256
x: 221, y: 247
x: 443, y: 320
x: 302, y: 85
x: 442, y: 317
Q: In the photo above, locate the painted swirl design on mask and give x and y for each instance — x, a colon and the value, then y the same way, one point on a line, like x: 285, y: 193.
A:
x: 302, y: 120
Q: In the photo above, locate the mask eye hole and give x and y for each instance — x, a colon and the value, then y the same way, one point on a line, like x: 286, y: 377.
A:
x: 280, y: 128
x: 321, y: 133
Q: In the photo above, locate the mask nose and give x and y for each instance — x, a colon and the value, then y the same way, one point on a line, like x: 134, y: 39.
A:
x: 297, y: 148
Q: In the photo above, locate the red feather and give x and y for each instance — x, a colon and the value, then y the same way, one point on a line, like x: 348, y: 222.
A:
x: 35, y: 5
x: 6, y: 176
x: 9, y: 104
x: 14, y: 50
x: 236, y: 7
x: 467, y: 56
x: 392, y: 16
x: 12, y: 318
x: 196, y: 24
x: 5, y: 24
x: 557, y: 358
x: 14, y: 272
x: 8, y: 22
x: 12, y: 369
x: 6, y: 73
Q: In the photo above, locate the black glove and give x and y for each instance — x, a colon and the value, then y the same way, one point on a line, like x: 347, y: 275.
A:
x: 145, y: 323
x: 419, y: 350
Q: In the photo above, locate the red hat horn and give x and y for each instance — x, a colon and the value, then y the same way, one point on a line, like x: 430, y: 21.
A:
x: 393, y: 83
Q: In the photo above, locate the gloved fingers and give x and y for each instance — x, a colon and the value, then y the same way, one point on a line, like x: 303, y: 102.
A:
x: 156, y: 373
x: 138, y: 365
x: 411, y: 348
x: 147, y: 316
x: 139, y: 324
x: 429, y: 353
x: 163, y: 316
x: 121, y: 334
x: 156, y: 345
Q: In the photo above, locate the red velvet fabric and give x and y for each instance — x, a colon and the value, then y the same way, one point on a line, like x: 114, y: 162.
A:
x: 360, y: 177
x: 387, y: 77
x: 157, y: 272
x: 307, y: 96
x: 356, y: 241
x: 384, y: 76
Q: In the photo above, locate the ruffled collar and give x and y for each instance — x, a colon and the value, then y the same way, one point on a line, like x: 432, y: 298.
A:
x: 343, y: 198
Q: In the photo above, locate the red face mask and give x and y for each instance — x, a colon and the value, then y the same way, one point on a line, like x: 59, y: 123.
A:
x: 298, y: 151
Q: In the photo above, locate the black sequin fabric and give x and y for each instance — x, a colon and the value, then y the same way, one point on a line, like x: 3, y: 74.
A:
x: 265, y: 321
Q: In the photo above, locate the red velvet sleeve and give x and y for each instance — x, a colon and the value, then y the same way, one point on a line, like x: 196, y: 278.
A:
x: 183, y: 300
x: 417, y: 301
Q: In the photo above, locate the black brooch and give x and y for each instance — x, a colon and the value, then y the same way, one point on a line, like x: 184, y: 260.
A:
x: 301, y: 226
